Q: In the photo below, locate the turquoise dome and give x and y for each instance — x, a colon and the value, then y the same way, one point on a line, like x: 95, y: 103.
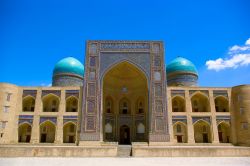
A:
x: 180, y: 64
x: 69, y: 65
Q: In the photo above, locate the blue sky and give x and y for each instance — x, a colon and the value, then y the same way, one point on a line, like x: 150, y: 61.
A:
x: 213, y: 34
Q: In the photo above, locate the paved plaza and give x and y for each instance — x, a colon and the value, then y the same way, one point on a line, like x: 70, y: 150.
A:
x: 174, y: 161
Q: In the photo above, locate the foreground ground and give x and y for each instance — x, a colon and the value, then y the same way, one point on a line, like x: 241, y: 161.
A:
x: 167, y: 161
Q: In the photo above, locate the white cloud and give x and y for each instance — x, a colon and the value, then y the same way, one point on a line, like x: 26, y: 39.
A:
x: 237, y: 56
x: 248, y: 42
x: 233, y: 62
x: 238, y: 48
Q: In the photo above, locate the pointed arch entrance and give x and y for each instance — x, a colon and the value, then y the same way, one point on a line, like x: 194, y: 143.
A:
x: 125, y: 103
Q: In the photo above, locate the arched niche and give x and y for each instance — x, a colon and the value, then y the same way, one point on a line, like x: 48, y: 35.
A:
x: 109, y: 105
x: 28, y: 104
x: 178, y: 104
x: 202, y: 132
x: 180, y: 132
x: 108, y: 128
x: 126, y: 84
x: 71, y: 104
x: 47, y: 132
x: 224, y: 132
x: 200, y: 103
x: 24, y: 132
x: 124, y: 106
x: 69, y: 132
x: 140, y: 105
x: 221, y: 104
x: 50, y: 103
x: 140, y: 128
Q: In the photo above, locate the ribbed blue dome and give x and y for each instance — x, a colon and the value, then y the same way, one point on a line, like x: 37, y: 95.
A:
x: 180, y: 64
x: 69, y: 65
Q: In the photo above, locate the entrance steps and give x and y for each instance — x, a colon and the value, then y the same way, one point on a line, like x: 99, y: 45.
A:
x: 124, y: 151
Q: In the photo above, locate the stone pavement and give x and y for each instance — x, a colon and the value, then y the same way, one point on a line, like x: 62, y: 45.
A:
x: 167, y: 161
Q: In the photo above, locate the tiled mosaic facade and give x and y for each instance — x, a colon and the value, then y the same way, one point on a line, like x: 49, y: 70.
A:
x: 67, y: 79
x: 101, y: 56
x: 174, y: 114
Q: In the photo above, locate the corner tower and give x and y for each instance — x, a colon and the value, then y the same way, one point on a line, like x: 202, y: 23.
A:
x: 240, y: 107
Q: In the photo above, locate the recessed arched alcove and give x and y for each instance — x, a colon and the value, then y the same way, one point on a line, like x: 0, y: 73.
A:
x: 125, y: 102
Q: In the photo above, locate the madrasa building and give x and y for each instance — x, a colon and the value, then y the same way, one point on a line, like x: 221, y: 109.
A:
x: 125, y: 100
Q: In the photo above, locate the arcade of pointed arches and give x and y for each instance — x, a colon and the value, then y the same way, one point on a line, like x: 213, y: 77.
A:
x: 120, y: 104
x: 202, y: 129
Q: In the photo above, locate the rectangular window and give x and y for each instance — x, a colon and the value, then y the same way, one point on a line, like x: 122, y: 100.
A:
x: 8, y: 96
x: 241, y: 110
x: 3, y: 124
x: 92, y: 75
x: 244, y: 125
x: 92, y: 61
x: 6, y: 109
x: 1, y: 135
x: 239, y: 97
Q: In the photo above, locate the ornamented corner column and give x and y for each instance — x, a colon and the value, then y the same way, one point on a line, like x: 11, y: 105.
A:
x: 158, y: 98
x: 213, y: 117
x: 90, y: 122
x: 190, y: 127
x: 59, y: 124
x: 35, y: 132
x: 79, y: 115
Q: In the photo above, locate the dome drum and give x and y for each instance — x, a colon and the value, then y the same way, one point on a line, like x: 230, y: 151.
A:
x: 67, y: 80
x: 182, y: 79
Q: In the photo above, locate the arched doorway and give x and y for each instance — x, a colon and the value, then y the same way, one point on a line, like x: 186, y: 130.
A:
x: 180, y: 132
x: 69, y: 133
x: 224, y: 132
x: 202, y: 132
x: 24, y: 132
x: 47, y: 132
x: 124, y: 135
x: 125, y: 102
